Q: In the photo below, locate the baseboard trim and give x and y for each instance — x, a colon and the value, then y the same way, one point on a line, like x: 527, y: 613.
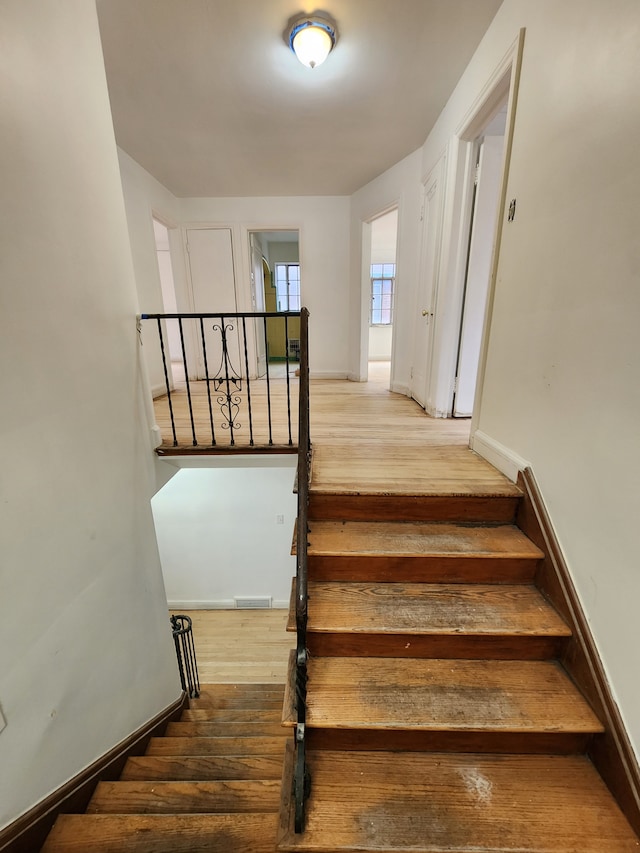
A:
x: 29, y: 831
x: 328, y: 374
x: 501, y: 457
x: 224, y: 604
x: 611, y: 753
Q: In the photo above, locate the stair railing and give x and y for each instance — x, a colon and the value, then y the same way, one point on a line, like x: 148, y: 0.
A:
x: 302, y: 781
x: 182, y: 630
x: 222, y: 353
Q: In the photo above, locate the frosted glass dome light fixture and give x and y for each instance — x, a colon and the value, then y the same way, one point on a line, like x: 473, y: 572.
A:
x: 312, y: 38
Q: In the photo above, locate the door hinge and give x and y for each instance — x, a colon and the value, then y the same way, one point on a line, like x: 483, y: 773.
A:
x: 455, y: 385
x: 477, y: 175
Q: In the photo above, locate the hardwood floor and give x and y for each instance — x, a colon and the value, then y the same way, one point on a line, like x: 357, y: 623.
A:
x: 360, y: 413
x: 247, y: 646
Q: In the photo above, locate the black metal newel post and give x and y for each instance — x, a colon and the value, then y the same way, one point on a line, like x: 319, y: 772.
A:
x: 181, y: 628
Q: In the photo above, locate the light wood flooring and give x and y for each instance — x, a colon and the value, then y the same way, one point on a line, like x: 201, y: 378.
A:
x: 248, y: 646
x: 362, y: 413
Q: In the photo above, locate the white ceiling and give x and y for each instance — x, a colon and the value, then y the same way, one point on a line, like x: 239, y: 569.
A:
x: 207, y: 96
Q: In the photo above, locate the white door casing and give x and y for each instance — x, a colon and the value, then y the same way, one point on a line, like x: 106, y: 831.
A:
x: 257, y: 304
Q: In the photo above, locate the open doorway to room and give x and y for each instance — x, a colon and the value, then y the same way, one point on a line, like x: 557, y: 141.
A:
x: 382, y: 285
x: 276, y: 287
x: 169, y: 301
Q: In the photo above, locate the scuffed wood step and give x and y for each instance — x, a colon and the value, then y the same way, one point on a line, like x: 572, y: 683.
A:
x: 215, y: 746
x: 201, y: 767
x: 207, y: 729
x: 206, y: 833
x: 443, y: 705
x: 425, y: 552
x: 185, y: 797
x: 497, y: 621
x: 389, y: 480
x: 231, y: 715
x: 442, y: 803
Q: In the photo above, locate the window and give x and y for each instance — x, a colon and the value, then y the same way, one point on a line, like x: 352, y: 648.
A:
x: 287, y: 287
x: 383, y: 277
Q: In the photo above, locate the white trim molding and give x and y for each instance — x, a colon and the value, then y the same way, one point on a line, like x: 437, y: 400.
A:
x: 501, y: 457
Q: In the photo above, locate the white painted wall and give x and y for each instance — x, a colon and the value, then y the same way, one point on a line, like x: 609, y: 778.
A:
x: 218, y: 531
x: 562, y: 367
x: 282, y: 253
x: 86, y: 655
x: 323, y: 223
x: 144, y: 196
x: 380, y: 340
x: 399, y: 186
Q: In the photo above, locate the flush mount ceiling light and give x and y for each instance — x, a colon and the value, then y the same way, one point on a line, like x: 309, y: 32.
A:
x: 312, y: 38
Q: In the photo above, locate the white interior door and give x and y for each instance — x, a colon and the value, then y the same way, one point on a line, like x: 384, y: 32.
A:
x: 213, y: 288
x: 427, y: 287
x: 257, y: 304
x: 483, y: 231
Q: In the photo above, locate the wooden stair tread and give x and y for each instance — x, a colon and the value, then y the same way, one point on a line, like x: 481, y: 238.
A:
x: 413, y: 608
x: 447, y: 471
x: 443, y: 695
x: 201, y: 767
x: 232, y: 715
x: 182, y: 797
x: 218, y: 729
x: 215, y: 746
x: 206, y: 833
x: 442, y: 803
x: 240, y: 689
x: 410, y: 539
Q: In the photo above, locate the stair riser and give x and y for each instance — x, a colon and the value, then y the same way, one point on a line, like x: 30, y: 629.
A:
x: 403, y: 646
x: 199, y: 768
x: 372, y: 740
x: 454, y: 508
x: 426, y: 569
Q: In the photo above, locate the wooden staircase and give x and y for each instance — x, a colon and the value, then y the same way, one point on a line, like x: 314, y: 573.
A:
x: 439, y: 718
x: 212, y: 783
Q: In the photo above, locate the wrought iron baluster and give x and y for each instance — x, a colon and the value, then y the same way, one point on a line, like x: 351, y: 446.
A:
x: 286, y: 357
x: 206, y: 376
x: 246, y: 367
x: 186, y: 379
x: 226, y: 363
x: 268, y: 388
x: 166, y: 382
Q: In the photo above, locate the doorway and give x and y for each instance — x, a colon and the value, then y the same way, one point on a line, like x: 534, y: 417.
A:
x: 169, y: 300
x: 378, y: 283
x: 276, y: 281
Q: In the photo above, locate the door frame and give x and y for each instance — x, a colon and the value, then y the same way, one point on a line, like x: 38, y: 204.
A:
x: 503, y: 83
x: 365, y: 289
